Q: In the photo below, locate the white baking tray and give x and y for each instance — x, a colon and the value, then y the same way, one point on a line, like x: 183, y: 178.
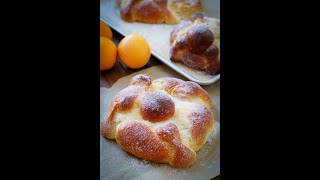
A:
x: 157, y: 36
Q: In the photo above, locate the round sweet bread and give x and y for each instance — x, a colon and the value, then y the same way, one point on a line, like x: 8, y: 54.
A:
x: 165, y: 120
x: 158, y: 11
x: 196, y: 43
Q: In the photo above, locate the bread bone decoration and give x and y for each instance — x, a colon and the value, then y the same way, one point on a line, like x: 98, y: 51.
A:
x: 196, y: 43
x: 158, y: 11
x: 165, y: 120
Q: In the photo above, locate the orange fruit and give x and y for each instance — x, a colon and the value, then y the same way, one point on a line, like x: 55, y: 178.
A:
x: 134, y: 51
x: 108, y: 53
x: 105, y: 30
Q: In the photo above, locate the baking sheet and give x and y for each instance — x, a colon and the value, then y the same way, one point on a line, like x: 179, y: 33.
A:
x: 115, y: 163
x: 158, y: 35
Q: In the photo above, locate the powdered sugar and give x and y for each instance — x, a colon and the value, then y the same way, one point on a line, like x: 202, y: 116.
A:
x: 126, y: 166
x: 157, y: 106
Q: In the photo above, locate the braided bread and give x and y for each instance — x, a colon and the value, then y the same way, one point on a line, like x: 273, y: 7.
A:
x: 196, y: 43
x: 165, y: 120
x: 158, y: 11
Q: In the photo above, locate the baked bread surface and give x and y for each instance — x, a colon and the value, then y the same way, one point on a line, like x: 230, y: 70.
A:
x: 158, y: 11
x: 196, y: 43
x: 165, y: 120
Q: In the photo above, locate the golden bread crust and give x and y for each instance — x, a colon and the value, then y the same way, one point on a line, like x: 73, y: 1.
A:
x: 158, y: 11
x: 138, y: 139
x: 157, y: 106
x: 196, y: 43
x: 181, y: 155
x: 201, y: 120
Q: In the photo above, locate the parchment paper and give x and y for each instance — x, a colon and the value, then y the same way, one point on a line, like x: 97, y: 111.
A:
x: 117, y: 164
x: 158, y: 35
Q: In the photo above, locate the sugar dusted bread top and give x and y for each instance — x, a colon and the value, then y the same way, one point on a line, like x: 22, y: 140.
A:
x: 165, y: 120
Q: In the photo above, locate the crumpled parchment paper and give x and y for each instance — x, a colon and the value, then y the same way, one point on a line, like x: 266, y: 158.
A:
x: 117, y: 164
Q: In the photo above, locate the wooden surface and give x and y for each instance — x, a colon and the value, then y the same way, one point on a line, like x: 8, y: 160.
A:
x: 109, y: 77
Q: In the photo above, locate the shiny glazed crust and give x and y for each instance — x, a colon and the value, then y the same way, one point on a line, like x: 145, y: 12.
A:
x: 196, y: 43
x: 165, y: 121
x: 158, y: 11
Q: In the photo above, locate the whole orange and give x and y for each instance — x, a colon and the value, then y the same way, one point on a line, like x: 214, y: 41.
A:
x: 108, y: 53
x: 134, y: 51
x: 105, y: 30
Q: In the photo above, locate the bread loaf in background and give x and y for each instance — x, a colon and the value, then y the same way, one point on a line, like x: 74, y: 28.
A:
x: 158, y: 11
x: 196, y: 43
